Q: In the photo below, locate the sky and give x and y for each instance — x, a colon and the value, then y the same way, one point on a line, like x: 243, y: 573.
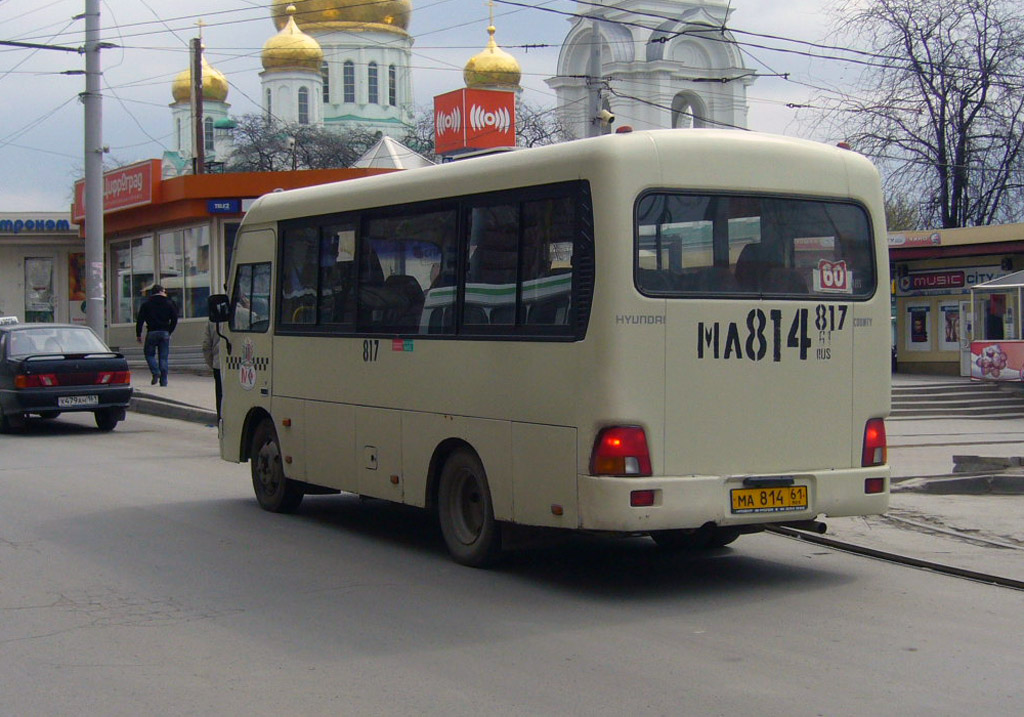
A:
x: 41, y: 125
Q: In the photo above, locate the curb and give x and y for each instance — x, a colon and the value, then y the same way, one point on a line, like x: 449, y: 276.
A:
x: 172, y: 409
x: 983, y: 484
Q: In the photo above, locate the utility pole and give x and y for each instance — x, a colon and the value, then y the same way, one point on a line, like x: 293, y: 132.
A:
x: 199, y: 143
x: 92, y: 100
x: 593, y: 82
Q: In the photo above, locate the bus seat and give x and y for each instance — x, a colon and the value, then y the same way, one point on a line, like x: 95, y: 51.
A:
x: 749, y: 267
x: 474, y: 315
x: 504, y: 315
x: 782, y: 280
x: 408, y: 301
x: 553, y: 312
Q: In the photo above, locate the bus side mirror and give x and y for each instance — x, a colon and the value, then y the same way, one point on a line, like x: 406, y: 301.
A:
x: 218, y: 308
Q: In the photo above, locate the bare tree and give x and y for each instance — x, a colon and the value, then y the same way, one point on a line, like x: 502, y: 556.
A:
x: 266, y: 145
x: 940, y: 104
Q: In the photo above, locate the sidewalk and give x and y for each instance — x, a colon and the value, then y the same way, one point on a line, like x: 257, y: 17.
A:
x: 960, y: 523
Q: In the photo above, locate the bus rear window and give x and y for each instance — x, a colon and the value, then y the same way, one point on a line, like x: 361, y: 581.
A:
x: 741, y: 246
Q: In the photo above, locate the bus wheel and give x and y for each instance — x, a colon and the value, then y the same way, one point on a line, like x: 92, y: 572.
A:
x: 274, y: 492
x: 678, y: 540
x: 465, y: 512
x: 720, y: 537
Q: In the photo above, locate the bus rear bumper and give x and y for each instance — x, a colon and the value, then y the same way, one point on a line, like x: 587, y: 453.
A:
x: 605, y: 503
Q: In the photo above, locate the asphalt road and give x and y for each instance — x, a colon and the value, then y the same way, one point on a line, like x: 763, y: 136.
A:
x: 137, y: 576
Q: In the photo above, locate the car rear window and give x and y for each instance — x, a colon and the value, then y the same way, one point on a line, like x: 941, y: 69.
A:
x: 28, y: 342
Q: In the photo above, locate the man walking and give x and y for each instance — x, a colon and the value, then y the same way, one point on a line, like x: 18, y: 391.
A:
x: 160, y: 316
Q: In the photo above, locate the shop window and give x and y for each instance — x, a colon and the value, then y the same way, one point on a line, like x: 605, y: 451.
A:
x: 133, y: 274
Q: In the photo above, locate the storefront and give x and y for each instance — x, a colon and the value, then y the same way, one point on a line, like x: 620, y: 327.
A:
x: 179, y: 233
x: 933, y: 274
x: 42, y: 261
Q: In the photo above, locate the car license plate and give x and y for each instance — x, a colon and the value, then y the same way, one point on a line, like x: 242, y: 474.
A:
x: 769, y: 500
x: 73, y: 401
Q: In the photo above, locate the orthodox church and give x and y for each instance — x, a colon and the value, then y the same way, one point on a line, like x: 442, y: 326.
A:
x: 661, y: 64
x: 343, y: 63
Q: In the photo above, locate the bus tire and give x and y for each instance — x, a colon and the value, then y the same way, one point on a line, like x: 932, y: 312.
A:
x: 466, y: 513
x: 274, y: 492
x: 680, y: 540
x: 720, y: 537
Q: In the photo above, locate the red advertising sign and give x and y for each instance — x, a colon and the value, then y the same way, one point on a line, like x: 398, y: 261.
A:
x: 997, y: 360
x: 474, y: 119
x: 130, y: 186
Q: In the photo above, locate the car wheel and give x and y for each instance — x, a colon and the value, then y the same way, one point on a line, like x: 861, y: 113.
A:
x: 465, y: 512
x: 274, y: 491
x: 106, y: 419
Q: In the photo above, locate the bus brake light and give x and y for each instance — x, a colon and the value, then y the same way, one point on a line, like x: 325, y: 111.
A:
x: 874, y: 453
x: 621, y: 451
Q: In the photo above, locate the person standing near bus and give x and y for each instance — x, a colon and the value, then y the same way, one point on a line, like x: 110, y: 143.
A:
x: 211, y: 354
x: 160, y: 316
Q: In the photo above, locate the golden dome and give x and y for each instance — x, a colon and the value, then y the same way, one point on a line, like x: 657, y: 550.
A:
x: 327, y: 15
x: 215, y: 85
x: 492, y: 68
x: 292, y: 48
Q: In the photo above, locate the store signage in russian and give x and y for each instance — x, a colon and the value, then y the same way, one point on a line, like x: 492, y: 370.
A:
x: 224, y: 206
x: 131, y: 186
x: 17, y: 226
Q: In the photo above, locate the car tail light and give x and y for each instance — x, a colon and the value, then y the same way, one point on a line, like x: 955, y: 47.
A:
x: 874, y: 453
x: 621, y: 451
x: 36, y: 380
x: 113, y: 377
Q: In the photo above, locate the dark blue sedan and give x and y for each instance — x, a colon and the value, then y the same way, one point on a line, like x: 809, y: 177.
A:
x: 48, y: 369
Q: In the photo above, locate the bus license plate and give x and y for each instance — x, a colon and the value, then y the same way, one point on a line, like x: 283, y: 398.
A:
x: 769, y: 500
x: 73, y: 401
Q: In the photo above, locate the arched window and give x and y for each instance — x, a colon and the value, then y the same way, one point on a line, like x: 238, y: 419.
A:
x: 325, y: 73
x: 177, y: 131
x: 392, y: 86
x: 688, y: 111
x: 303, y: 105
x: 208, y: 133
x: 373, y: 91
x: 348, y: 81
x: 269, y: 108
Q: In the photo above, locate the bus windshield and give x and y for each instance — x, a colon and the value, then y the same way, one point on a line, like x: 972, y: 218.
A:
x: 692, y: 244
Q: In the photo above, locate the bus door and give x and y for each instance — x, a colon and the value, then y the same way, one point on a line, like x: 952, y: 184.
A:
x: 246, y: 368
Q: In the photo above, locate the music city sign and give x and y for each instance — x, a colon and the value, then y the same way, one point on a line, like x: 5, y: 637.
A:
x: 469, y: 119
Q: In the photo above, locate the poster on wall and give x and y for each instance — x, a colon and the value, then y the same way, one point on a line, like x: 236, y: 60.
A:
x: 919, y: 328
x: 997, y: 360
x: 949, y: 326
x: 39, y: 289
x: 76, y: 288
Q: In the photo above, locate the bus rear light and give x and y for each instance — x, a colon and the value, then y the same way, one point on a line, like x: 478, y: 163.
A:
x: 641, y: 498
x: 874, y: 453
x: 621, y: 451
x: 874, y: 485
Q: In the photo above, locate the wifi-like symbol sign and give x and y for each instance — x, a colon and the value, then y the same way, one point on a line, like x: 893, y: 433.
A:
x: 499, y: 119
x: 448, y: 121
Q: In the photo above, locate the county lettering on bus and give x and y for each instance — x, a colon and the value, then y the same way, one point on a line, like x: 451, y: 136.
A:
x: 573, y: 346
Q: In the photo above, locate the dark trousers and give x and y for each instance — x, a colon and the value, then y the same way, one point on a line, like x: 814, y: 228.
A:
x: 157, y: 350
x: 218, y: 392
